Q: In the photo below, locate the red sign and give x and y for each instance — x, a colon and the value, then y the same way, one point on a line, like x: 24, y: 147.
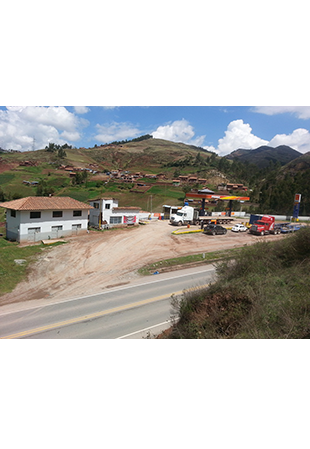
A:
x: 297, y: 197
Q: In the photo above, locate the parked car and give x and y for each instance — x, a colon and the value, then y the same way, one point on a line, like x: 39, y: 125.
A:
x: 213, y: 229
x: 239, y: 227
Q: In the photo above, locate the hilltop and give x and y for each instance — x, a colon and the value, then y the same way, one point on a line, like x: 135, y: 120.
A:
x: 264, y: 155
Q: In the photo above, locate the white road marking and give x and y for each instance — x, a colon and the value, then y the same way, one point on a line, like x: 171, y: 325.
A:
x: 116, y: 289
x: 143, y: 330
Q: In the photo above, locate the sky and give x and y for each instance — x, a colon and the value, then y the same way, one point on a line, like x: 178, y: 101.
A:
x: 221, y: 129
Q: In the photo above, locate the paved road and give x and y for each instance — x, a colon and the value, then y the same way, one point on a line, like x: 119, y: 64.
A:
x: 134, y: 311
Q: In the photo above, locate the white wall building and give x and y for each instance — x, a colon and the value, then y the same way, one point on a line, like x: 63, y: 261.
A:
x: 36, y: 218
x: 106, y: 213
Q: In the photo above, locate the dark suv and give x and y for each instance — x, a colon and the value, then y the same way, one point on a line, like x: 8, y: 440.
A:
x: 213, y: 229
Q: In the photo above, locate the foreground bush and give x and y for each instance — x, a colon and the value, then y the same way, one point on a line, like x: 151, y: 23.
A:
x: 263, y: 293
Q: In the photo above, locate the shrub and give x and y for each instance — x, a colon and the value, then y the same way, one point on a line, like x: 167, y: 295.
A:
x: 262, y: 293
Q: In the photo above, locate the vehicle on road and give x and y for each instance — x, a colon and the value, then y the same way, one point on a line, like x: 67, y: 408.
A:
x: 186, y: 215
x: 213, y: 229
x: 239, y: 227
x: 291, y: 227
x: 266, y: 225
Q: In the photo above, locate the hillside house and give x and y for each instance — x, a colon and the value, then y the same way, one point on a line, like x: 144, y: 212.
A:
x: 231, y: 186
x: 105, y: 212
x: 36, y: 218
x: 183, y: 178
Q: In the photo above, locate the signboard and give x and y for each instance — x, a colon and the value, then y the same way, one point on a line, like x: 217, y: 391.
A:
x: 297, y: 200
x: 130, y: 219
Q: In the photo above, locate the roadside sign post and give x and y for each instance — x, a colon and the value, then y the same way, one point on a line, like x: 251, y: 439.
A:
x: 297, y: 200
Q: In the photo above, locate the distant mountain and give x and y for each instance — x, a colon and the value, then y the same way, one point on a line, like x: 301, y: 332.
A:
x: 263, y: 155
x: 299, y: 164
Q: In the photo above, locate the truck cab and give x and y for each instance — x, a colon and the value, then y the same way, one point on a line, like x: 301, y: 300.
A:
x: 266, y: 225
x: 186, y: 215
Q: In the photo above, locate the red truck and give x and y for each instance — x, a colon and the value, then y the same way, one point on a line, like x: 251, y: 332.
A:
x: 265, y: 225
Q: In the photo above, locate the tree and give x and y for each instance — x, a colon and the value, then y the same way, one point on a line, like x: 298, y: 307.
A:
x: 43, y: 189
x: 61, y: 153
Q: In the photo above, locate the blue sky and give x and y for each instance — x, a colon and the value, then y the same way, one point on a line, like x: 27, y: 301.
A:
x: 220, y: 129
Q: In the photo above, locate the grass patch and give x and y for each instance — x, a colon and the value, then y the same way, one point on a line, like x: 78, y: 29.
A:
x: 12, y: 273
x: 6, y: 177
x: 263, y: 292
x: 194, y: 258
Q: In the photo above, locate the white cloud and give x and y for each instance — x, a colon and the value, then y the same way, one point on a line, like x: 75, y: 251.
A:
x: 238, y: 135
x: 20, y: 125
x: 178, y: 131
x: 116, y: 131
x: 299, y: 140
x: 81, y: 109
x: 302, y: 112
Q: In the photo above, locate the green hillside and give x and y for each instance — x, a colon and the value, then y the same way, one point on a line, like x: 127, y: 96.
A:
x: 152, y: 156
x: 271, y: 188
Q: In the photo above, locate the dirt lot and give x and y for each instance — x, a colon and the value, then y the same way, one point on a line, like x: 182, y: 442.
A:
x: 90, y: 263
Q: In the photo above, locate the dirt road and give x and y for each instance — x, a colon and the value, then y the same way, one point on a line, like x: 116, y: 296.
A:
x: 90, y: 263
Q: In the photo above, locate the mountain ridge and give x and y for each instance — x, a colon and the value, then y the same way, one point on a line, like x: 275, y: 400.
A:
x: 264, y: 155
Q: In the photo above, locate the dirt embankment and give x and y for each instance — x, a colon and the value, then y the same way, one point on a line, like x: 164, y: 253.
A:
x: 90, y: 263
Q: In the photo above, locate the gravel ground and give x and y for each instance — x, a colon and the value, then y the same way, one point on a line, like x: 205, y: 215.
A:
x: 99, y: 260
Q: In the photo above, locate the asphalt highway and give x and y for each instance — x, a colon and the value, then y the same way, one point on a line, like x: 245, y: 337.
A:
x: 138, y: 310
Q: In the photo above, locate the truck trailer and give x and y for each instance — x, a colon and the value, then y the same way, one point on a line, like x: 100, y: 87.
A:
x: 190, y: 215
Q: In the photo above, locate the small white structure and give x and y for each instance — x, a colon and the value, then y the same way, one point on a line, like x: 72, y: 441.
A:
x: 36, y: 218
x: 106, y: 213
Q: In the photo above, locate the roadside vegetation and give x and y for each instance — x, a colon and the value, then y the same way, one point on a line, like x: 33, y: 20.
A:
x: 15, y: 260
x: 263, y: 293
x: 191, y: 259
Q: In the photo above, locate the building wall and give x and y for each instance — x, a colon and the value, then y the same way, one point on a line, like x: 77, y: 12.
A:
x: 26, y: 229
x: 104, y: 210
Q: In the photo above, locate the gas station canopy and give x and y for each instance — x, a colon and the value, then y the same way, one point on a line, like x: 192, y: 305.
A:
x: 214, y: 196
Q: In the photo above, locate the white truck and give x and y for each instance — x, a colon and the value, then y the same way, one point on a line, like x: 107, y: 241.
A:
x: 184, y: 216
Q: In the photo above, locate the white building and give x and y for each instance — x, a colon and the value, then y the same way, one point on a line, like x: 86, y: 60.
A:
x: 35, y: 218
x: 105, y: 213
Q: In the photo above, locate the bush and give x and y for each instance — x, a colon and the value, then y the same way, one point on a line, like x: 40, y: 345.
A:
x: 262, y: 293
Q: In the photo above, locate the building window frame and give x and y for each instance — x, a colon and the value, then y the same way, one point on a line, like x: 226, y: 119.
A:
x: 115, y: 220
x: 35, y: 214
x: 57, y: 213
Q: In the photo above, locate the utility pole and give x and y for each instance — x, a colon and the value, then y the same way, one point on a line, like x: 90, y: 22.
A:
x: 33, y: 144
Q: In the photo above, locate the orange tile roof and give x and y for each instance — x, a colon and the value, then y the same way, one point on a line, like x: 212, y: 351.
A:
x: 45, y: 203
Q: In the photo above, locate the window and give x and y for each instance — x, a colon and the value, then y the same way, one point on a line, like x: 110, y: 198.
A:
x: 33, y: 230
x: 77, y: 213
x: 57, y: 213
x: 75, y: 227
x: 56, y: 228
x: 13, y: 213
x: 35, y: 214
x: 115, y: 220
x: 107, y: 206
x: 96, y: 205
